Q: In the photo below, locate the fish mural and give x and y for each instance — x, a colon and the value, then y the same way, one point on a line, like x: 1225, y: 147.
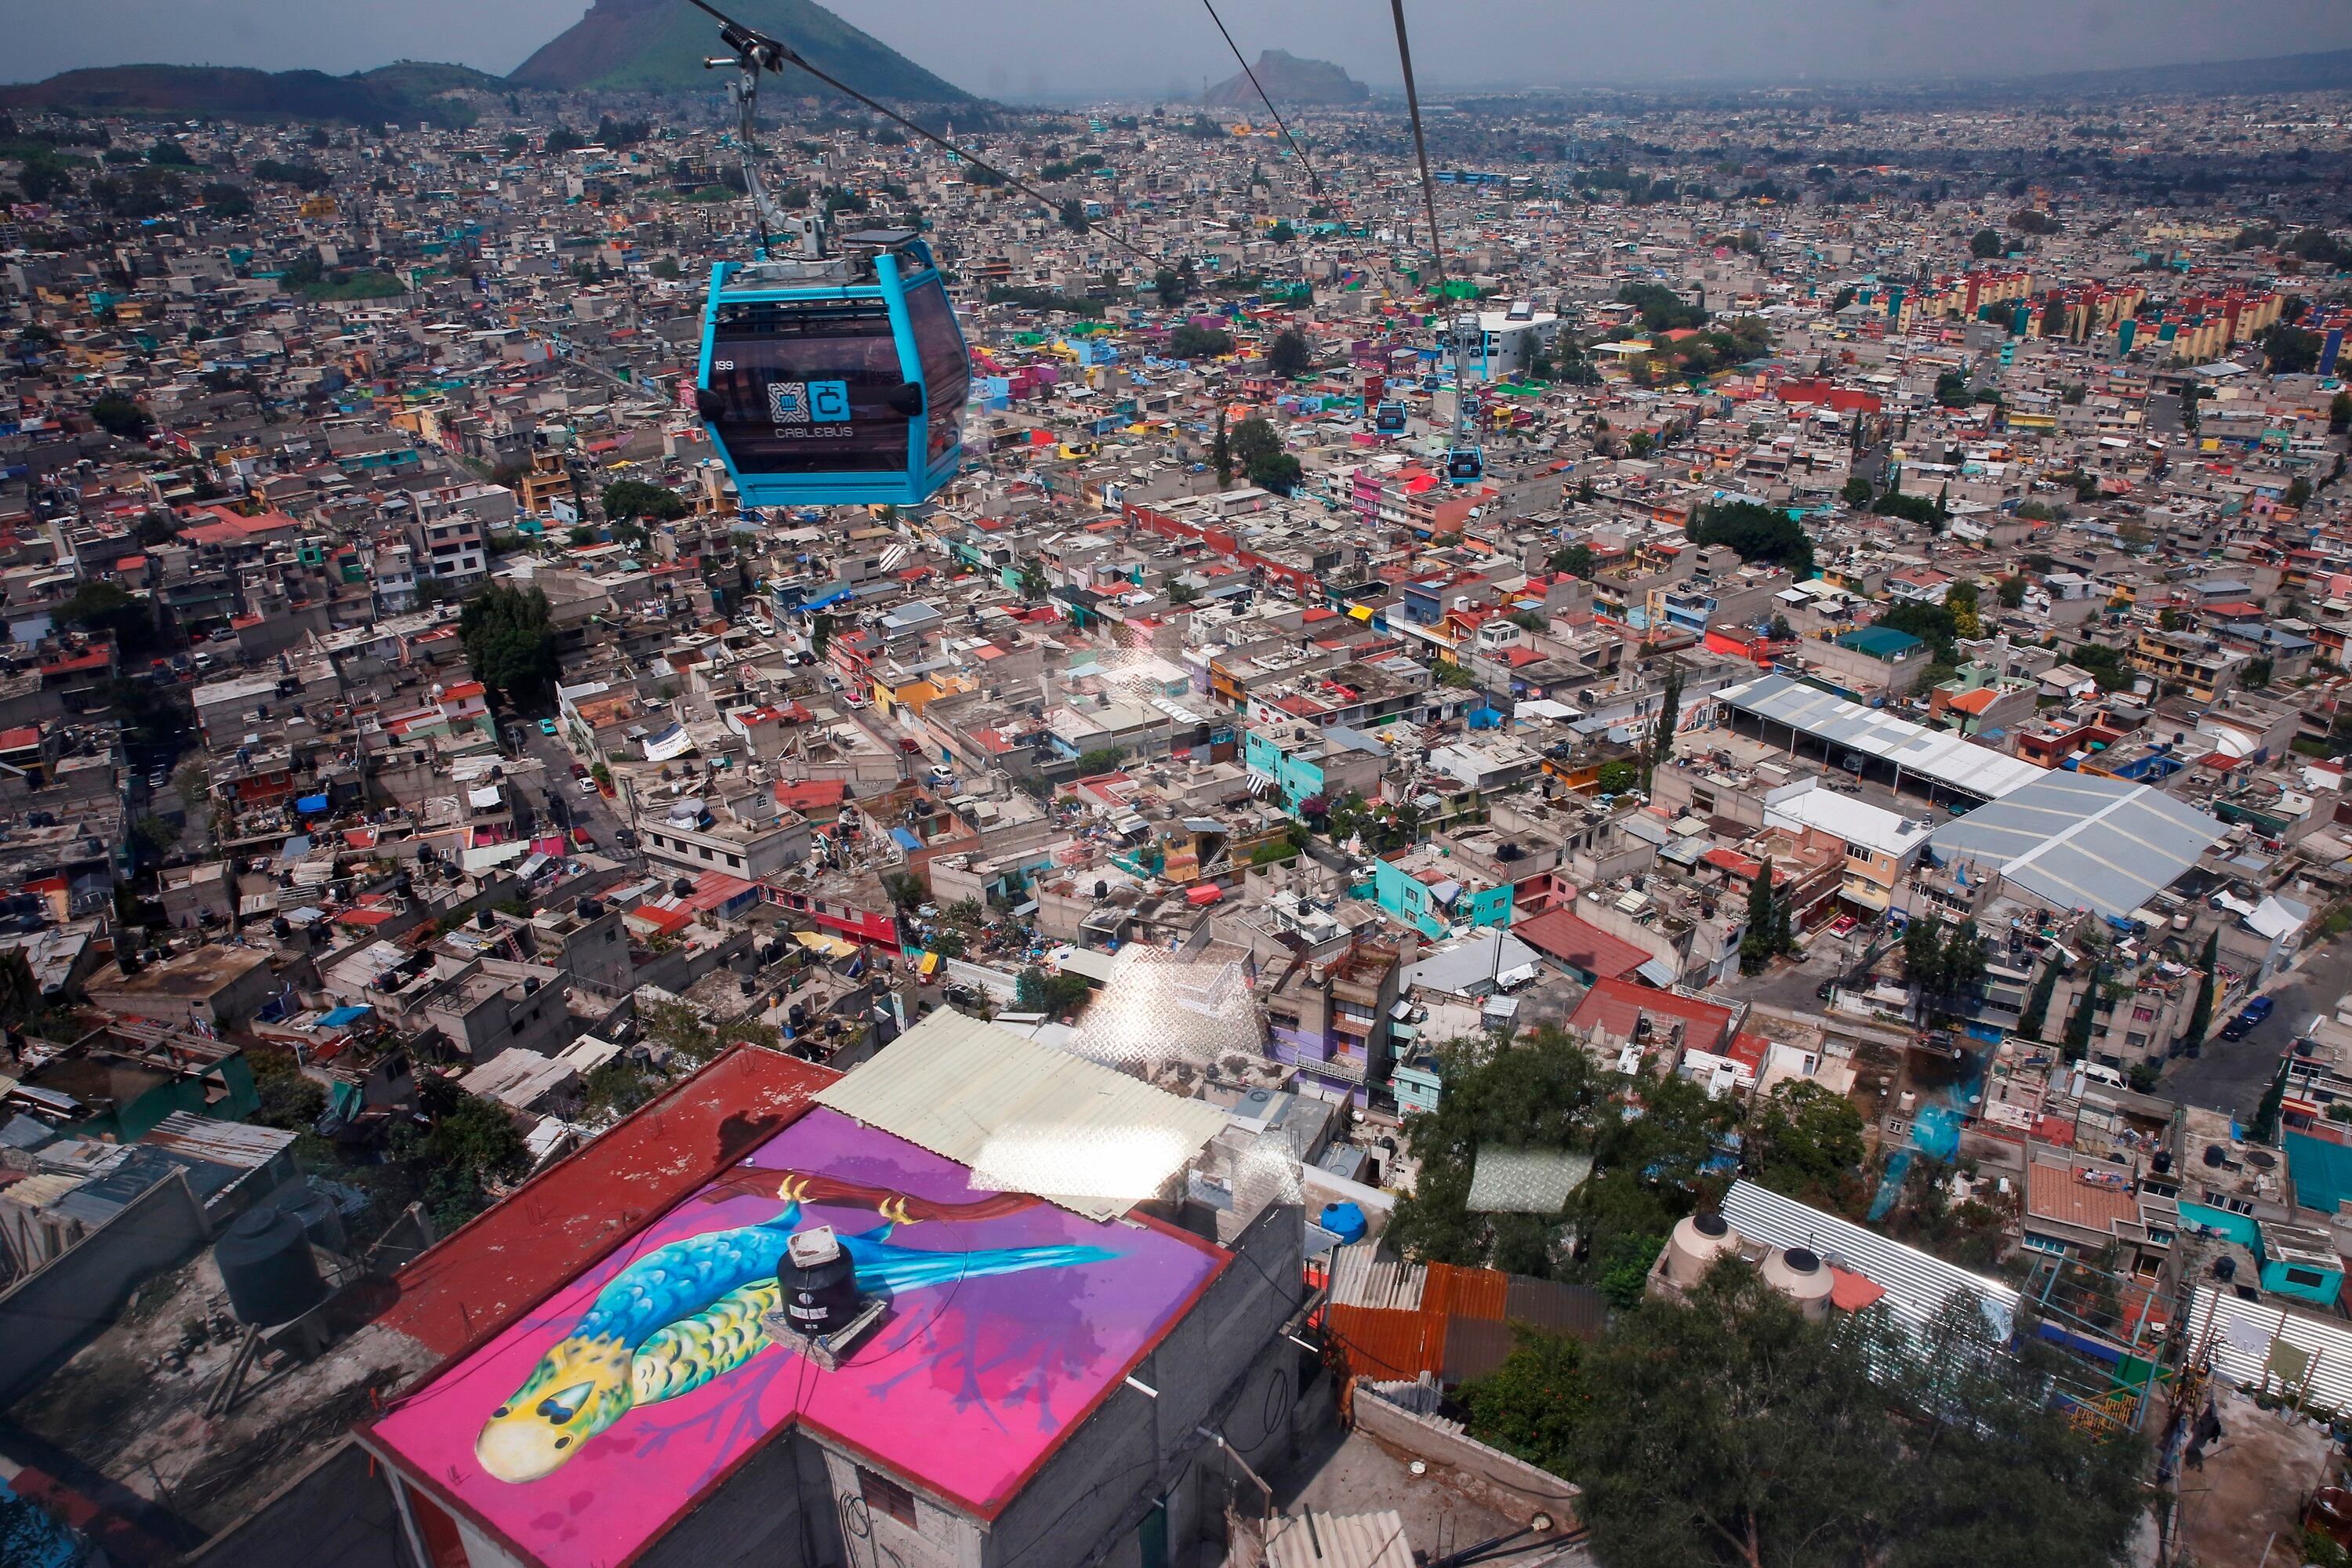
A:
x: 689, y: 1311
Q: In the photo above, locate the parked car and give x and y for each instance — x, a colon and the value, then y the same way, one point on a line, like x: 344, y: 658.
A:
x: 580, y: 770
x: 587, y: 786
x: 2248, y: 1017
x: 580, y: 839
x: 547, y: 726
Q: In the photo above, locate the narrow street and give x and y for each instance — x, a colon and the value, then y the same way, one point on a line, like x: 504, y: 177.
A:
x: 566, y: 803
x: 2233, y: 1074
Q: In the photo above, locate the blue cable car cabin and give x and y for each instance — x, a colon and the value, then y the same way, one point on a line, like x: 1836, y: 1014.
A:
x: 1387, y: 419
x: 837, y: 380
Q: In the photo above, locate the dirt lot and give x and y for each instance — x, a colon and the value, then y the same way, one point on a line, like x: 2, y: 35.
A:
x: 2253, y: 1483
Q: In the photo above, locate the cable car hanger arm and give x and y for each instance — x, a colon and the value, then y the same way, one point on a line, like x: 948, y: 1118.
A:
x: 751, y: 45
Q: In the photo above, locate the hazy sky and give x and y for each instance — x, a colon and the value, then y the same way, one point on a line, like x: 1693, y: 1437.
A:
x: 1021, y: 48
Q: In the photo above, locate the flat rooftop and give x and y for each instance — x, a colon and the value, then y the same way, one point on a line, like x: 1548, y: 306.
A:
x: 1010, y: 1321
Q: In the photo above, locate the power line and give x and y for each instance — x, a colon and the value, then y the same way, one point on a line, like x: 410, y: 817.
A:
x: 771, y: 53
x: 1314, y: 181
x: 1419, y: 143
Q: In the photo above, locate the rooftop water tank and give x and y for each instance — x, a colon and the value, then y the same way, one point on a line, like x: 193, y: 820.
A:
x: 1801, y: 1276
x: 1344, y: 1220
x: 1696, y: 1242
x: 818, y: 1281
x: 265, y: 1261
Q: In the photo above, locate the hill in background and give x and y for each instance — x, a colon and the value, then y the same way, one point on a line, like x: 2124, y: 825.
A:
x: 406, y: 93
x: 659, y: 45
x: 1288, y: 79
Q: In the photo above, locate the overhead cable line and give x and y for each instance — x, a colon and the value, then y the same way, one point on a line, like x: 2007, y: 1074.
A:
x: 1314, y: 181
x: 774, y: 54
x: 1419, y: 143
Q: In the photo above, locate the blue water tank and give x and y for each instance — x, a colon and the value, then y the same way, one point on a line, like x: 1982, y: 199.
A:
x: 1345, y: 1221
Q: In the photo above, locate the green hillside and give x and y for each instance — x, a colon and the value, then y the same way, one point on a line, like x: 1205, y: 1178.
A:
x: 659, y: 45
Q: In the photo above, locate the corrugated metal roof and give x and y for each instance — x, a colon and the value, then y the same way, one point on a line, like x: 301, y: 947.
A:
x: 1359, y: 1277
x: 1380, y: 1342
x: 1931, y: 754
x: 1555, y: 1308
x: 238, y: 1144
x: 2082, y: 842
x: 1339, y: 1540
x: 1917, y: 1284
x: 1024, y: 1116
x: 1475, y: 1347
x: 1524, y: 1181
x: 1466, y: 1292
x: 2240, y: 1333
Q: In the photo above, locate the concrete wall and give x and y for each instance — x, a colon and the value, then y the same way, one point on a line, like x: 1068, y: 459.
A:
x: 335, y: 1512
x: 1382, y: 1413
x: 51, y: 1310
x: 1225, y: 1367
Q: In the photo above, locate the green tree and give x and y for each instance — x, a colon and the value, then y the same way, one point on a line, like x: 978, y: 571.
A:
x: 1073, y: 215
x: 1807, y: 1142
x: 2339, y: 414
x: 224, y: 201
x: 1856, y: 492
x: 1220, y: 454
x: 1756, y: 942
x: 1986, y: 244
x: 1670, y: 714
x: 667, y: 268
x: 1175, y: 285
x: 121, y: 415
x: 1576, y: 560
x: 1260, y: 452
x: 2036, y: 1016
x: 109, y: 608
x: 1290, y: 353
x: 509, y: 644
x: 468, y: 1143
x: 2077, y: 1043
x: 2200, y: 1016
x: 629, y: 498
x: 1755, y: 534
x: 1053, y: 995
x: 2298, y: 493
x: 1528, y: 1406
x: 1188, y: 341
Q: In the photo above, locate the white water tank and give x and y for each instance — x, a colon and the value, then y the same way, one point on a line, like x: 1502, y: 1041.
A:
x: 1698, y: 1241
x: 1802, y: 1277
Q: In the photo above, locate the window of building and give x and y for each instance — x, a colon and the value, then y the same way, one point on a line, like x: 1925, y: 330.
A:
x: 883, y: 1495
x: 2306, y: 1277
x: 706, y: 852
x: 735, y: 860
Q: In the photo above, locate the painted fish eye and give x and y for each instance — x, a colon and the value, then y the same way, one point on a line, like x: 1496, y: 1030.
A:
x: 564, y: 1405
x: 502, y: 1410
x: 564, y: 1441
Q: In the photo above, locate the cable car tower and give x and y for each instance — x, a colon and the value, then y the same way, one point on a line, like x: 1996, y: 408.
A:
x: 826, y: 379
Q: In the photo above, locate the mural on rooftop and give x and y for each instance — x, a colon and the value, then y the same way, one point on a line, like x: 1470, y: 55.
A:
x: 580, y: 1430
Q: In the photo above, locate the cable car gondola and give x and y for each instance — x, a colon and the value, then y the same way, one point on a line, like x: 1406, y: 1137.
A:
x: 1387, y: 419
x: 826, y: 379
x: 834, y: 380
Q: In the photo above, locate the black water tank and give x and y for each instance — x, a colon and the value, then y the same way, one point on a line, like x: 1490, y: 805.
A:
x: 592, y: 909
x: 265, y: 1260
x: 1711, y: 1223
x: 819, y: 1283
x: 2225, y: 1268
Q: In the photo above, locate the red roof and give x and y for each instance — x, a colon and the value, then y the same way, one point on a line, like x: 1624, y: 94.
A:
x: 1576, y: 941
x: 492, y: 1269
x: 810, y: 794
x: 1733, y: 862
x: 1852, y: 1292
x: 1617, y: 1006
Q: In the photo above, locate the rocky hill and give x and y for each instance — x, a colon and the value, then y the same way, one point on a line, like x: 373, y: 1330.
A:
x: 407, y: 92
x: 659, y: 45
x: 1288, y: 79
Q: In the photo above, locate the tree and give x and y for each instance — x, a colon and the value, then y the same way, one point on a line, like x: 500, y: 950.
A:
x: 1670, y: 713
x: 1807, y: 1142
x: 1576, y: 560
x: 1073, y: 215
x: 1175, y: 285
x: 1528, y: 1406
x: 665, y: 267
x: 904, y: 890
x: 224, y: 201
x: 1220, y: 454
x: 2011, y: 591
x: 1986, y: 244
x: 468, y: 1143
x: 2298, y: 493
x: 1033, y: 581
x: 1856, y: 492
x: 1290, y: 352
x: 627, y: 498
x: 1755, y: 534
x: 2256, y: 673
x: 1756, y: 947
x: 1923, y: 957
x: 1261, y: 457
x: 1918, y: 1449
x: 121, y: 415
x: 2339, y: 414
x: 109, y: 608
x: 2077, y: 1043
x: 2036, y: 1016
x: 1053, y: 995
x: 1190, y: 341
x: 2200, y: 1016
x: 508, y: 643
